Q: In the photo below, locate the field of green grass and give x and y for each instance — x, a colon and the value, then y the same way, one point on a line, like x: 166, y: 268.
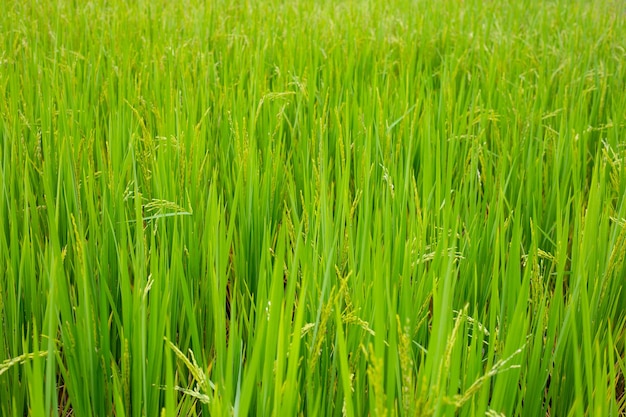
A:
x: 303, y: 208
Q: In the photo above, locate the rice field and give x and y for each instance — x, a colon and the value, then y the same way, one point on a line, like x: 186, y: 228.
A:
x: 312, y: 208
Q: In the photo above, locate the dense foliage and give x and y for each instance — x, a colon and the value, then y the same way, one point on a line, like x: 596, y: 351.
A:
x: 312, y: 208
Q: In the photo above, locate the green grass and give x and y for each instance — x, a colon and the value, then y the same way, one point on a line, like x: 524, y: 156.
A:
x: 284, y: 208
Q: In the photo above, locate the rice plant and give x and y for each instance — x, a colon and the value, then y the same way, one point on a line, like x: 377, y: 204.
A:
x: 353, y: 207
